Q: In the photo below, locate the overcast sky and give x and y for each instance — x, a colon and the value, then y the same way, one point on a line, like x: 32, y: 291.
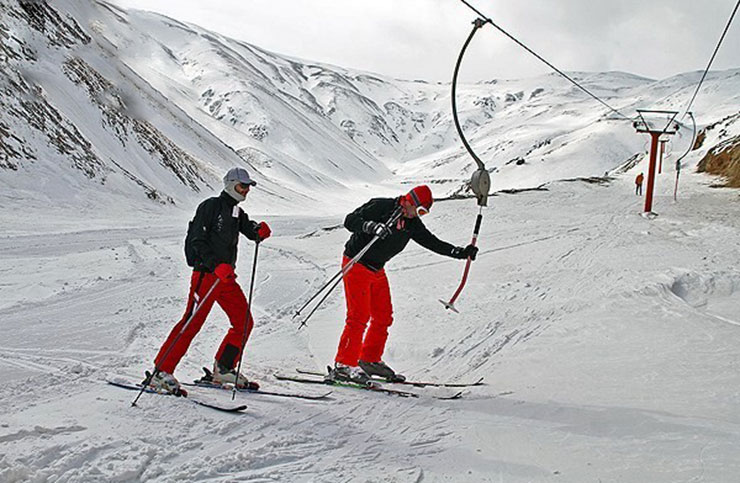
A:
x: 420, y: 39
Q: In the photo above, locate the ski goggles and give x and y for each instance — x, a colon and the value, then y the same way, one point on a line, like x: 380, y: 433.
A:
x: 421, y: 210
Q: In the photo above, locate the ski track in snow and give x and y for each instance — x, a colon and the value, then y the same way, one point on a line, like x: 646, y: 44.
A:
x: 608, y: 344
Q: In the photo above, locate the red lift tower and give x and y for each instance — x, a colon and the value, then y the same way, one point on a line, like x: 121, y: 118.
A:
x: 657, y: 124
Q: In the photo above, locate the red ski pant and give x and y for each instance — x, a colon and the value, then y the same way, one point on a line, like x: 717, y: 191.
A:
x: 368, y: 298
x: 230, y: 297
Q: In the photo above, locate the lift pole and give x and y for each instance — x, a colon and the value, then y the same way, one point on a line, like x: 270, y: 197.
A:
x: 642, y: 126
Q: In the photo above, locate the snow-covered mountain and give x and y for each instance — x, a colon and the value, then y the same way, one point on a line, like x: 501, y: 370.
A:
x: 270, y: 107
x: 102, y: 102
x: 607, y: 341
x: 78, y: 119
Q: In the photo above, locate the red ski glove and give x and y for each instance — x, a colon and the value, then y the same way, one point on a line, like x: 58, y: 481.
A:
x: 225, y: 272
x: 263, y: 231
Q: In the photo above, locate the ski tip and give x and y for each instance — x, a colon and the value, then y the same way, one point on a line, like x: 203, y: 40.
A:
x: 449, y: 306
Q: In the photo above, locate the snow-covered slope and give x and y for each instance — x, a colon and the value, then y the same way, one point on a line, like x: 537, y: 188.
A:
x: 68, y: 124
x: 80, y: 126
x: 608, y: 341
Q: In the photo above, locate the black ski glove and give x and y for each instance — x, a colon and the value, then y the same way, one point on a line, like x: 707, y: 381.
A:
x: 376, y: 228
x: 463, y: 253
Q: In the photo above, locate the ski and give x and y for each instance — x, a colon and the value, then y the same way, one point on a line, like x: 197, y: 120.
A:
x: 208, y: 382
x: 352, y: 385
x: 479, y: 382
x: 137, y: 387
x: 214, y: 385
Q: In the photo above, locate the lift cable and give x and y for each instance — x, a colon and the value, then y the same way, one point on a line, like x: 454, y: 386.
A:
x: 711, y: 60
x: 542, y: 59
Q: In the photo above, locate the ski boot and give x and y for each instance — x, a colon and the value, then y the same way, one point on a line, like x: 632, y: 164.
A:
x: 224, y: 375
x: 164, y: 382
x: 344, y: 373
x: 381, y: 369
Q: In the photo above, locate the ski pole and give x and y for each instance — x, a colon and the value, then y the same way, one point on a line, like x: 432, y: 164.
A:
x: 451, y: 304
x: 339, y: 274
x: 343, y: 271
x: 194, y: 310
x: 326, y: 284
x: 249, y: 315
x: 326, y: 295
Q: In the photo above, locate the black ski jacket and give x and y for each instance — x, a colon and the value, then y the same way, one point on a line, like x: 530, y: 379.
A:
x: 215, y: 232
x: 381, y: 209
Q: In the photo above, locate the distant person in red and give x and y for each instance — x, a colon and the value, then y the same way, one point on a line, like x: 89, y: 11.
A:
x: 366, y: 288
x: 638, y: 184
x: 210, y: 248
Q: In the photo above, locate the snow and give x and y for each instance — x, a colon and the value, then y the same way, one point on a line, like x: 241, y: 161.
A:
x: 608, y: 341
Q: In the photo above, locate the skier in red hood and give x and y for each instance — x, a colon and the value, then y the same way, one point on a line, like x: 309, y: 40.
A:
x: 366, y: 288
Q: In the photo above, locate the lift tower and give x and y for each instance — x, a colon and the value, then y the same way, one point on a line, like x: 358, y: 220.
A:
x: 656, y: 123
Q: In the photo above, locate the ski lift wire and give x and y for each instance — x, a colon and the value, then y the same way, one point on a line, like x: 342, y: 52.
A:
x: 711, y: 60
x: 542, y: 59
